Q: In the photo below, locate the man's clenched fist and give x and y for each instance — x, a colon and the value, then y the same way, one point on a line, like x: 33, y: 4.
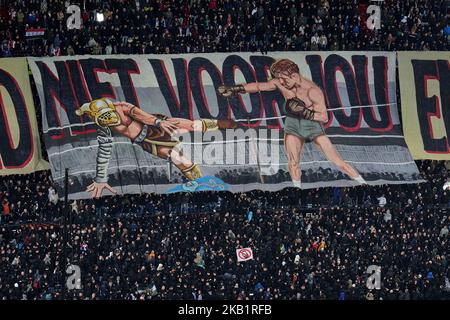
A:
x: 228, y: 91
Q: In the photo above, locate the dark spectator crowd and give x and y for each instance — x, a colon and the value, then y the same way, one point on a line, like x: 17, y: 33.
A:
x: 307, y: 244
x: 189, y: 26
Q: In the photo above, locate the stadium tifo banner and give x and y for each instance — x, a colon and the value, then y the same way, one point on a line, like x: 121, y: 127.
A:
x: 174, y: 123
x: 425, y: 94
x: 20, y: 148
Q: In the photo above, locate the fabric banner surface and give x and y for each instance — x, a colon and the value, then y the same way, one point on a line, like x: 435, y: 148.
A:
x: 20, y: 148
x: 180, y: 123
x: 425, y: 96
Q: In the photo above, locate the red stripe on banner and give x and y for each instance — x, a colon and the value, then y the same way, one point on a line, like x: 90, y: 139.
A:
x: 34, y: 32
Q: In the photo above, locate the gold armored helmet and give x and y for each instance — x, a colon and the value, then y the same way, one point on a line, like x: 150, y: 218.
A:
x: 102, y: 111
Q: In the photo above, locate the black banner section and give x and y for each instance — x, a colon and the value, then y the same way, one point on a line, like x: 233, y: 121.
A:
x: 14, y: 157
x: 20, y: 148
x: 425, y: 70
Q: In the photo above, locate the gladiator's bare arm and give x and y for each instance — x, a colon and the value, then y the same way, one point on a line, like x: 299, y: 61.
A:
x: 136, y: 113
x: 320, y: 108
x: 169, y: 125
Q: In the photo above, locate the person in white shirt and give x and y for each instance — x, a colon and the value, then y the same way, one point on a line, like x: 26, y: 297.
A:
x: 108, y: 49
x: 315, y: 39
x: 323, y: 42
x: 446, y: 186
x: 52, y: 196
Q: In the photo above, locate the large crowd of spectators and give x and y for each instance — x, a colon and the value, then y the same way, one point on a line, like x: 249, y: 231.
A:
x: 307, y: 244
x: 33, y: 198
x: 189, y: 26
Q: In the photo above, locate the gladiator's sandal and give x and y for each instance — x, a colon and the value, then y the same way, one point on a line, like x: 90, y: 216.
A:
x: 211, y: 125
x: 192, y: 173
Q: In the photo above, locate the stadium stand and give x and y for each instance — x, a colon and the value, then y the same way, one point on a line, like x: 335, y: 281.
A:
x: 310, y: 244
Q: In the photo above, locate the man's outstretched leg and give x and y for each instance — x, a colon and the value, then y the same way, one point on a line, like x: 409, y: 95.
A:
x: 324, y: 144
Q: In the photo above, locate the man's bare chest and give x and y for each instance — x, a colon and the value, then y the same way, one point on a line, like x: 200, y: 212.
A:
x: 303, y: 95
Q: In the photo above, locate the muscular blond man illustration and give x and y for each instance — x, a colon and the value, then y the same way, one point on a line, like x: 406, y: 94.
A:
x: 306, y: 112
x: 155, y: 133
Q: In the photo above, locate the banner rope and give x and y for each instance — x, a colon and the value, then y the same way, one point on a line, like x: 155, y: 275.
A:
x: 237, y: 120
x: 330, y: 109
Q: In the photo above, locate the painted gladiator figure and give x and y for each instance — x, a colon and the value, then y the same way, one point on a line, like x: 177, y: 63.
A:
x: 155, y: 133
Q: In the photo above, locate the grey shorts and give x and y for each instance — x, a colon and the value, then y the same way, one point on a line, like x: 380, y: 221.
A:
x: 306, y: 129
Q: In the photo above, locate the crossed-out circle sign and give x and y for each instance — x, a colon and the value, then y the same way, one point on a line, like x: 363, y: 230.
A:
x: 244, y: 254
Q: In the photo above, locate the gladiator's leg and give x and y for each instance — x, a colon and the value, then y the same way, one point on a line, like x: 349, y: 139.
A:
x: 189, y: 169
x: 203, y: 125
x: 293, y: 146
